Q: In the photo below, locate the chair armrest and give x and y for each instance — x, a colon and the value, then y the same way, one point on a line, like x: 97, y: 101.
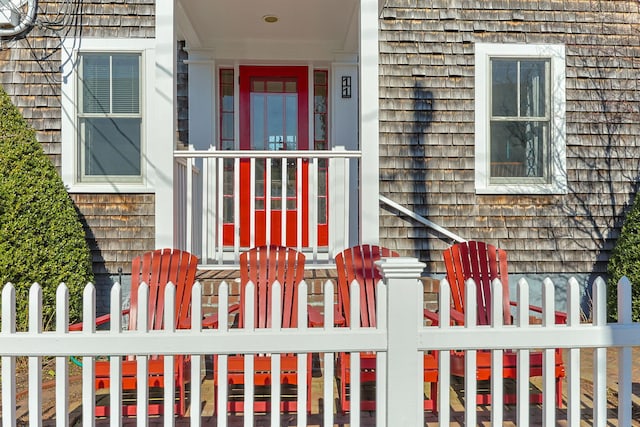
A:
x: 560, y: 316
x: 317, y: 319
x: 456, y: 318
x: 100, y: 320
x: 432, y: 316
x: 210, y: 321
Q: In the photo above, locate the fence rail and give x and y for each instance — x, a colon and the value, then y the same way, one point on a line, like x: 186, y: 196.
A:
x: 399, y: 340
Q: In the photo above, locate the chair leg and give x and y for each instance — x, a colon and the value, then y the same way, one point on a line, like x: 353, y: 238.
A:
x: 559, y: 392
x: 434, y: 397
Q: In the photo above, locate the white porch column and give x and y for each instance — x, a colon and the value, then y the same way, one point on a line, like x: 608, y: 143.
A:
x: 369, y: 116
x: 163, y: 133
x: 202, y: 99
x: 404, y: 361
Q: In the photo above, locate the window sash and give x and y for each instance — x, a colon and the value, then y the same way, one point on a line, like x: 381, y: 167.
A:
x: 110, y: 125
x: 519, y: 127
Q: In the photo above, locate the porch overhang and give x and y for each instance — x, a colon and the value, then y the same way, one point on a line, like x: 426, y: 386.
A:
x: 320, y: 33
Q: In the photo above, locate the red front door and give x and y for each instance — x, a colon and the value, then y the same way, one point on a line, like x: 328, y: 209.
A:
x: 274, y: 116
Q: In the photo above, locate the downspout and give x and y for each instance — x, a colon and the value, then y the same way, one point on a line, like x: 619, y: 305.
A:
x: 29, y: 19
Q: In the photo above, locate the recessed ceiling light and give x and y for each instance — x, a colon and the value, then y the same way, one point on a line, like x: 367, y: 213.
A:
x: 270, y: 19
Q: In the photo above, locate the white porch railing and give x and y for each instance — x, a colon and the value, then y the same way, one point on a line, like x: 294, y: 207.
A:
x: 399, y: 340
x: 187, y: 224
x: 214, y: 203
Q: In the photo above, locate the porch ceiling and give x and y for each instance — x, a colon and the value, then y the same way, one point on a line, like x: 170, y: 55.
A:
x: 236, y: 28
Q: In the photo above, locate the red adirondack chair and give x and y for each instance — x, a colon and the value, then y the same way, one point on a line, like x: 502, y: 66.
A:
x: 156, y: 269
x: 358, y: 263
x: 484, y: 262
x: 263, y: 266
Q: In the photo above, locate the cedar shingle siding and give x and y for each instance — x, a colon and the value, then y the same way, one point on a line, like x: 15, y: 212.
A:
x: 427, y: 128
x: 117, y: 226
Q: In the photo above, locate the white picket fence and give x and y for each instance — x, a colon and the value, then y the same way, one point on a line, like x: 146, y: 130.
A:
x: 399, y: 340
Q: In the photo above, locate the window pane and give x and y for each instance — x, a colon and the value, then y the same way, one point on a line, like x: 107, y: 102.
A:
x: 111, y: 146
x: 257, y: 121
x: 517, y: 149
x: 532, y: 88
x: 227, y: 126
x: 504, y: 79
x: 227, y: 77
x: 291, y: 124
x: 320, y: 128
x: 320, y: 77
x: 227, y: 98
x: 94, y: 77
x: 126, y: 83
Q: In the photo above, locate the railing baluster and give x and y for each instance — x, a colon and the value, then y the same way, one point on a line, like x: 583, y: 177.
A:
x: 223, y: 328
x: 8, y: 362
x: 444, y: 357
x: 299, y: 207
x: 573, y: 361
x: 196, y: 359
x: 549, y: 355
x: 354, y: 388
x: 268, y: 181
x: 302, y: 357
x: 600, y: 356
x: 284, y: 169
x: 142, y: 372
x: 523, y: 360
x: 327, y: 388
x: 313, y: 208
x: 236, y: 203
x: 115, y: 362
x: 169, y: 371
x: 276, y: 324
x: 497, y: 383
x: 470, y: 384
x: 35, y: 362
x: 625, y: 390
x: 249, y: 327
x: 252, y: 202
x: 62, y: 367
x: 88, y: 362
x: 189, y: 206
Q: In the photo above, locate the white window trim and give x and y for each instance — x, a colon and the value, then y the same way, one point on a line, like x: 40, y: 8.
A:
x: 69, y: 131
x: 557, y: 169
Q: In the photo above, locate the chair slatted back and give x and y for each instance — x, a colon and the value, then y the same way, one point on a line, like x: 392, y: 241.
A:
x: 156, y: 269
x: 358, y: 263
x: 263, y: 265
x: 481, y: 262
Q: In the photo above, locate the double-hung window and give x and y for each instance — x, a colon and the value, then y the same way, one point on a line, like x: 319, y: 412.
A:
x: 520, y: 119
x: 109, y: 117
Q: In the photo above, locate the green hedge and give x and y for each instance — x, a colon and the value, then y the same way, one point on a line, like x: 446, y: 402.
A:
x: 41, y: 237
x: 625, y: 261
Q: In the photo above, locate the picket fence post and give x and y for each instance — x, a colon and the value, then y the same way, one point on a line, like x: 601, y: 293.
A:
x: 404, y: 320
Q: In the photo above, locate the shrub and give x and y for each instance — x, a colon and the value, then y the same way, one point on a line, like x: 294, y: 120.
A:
x: 41, y: 237
x: 625, y: 261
